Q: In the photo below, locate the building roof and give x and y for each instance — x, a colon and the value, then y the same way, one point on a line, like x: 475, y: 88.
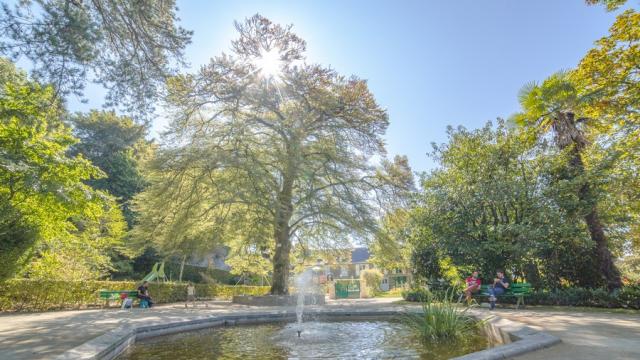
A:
x: 359, y: 255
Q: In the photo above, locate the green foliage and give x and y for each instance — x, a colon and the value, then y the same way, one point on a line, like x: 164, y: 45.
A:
x: 416, y: 295
x: 284, y: 160
x: 442, y: 318
x: 63, y: 221
x: 43, y: 295
x: 627, y: 297
x: 390, y: 248
x: 117, y: 146
x: 630, y: 268
x: 609, y: 4
x: 16, y: 242
x: 130, y: 47
x: 490, y: 205
x: 610, y: 70
x: 395, y: 292
x: 371, y: 279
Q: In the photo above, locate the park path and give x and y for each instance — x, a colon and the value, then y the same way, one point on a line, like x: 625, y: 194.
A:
x: 26, y: 336
x: 585, y: 335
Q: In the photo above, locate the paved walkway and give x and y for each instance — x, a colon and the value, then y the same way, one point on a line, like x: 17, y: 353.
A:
x: 45, y: 335
x: 585, y: 336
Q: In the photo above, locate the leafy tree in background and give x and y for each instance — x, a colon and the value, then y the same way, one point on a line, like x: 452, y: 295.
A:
x: 116, y: 145
x: 129, y: 47
x: 611, y: 70
x: 42, y: 192
x: 390, y: 246
x: 267, y: 150
x: 491, y: 205
x: 556, y: 105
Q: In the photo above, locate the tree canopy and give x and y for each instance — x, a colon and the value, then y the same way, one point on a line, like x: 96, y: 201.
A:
x: 42, y: 189
x: 268, y: 149
x: 129, y: 47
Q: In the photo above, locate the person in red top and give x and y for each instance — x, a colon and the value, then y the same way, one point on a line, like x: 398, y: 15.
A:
x: 473, y: 285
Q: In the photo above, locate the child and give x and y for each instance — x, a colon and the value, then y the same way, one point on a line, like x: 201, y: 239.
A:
x: 191, y: 294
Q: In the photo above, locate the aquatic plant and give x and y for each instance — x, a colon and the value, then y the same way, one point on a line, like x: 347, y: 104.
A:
x: 443, y: 317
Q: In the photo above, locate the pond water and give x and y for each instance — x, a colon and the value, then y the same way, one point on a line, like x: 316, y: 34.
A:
x: 362, y: 339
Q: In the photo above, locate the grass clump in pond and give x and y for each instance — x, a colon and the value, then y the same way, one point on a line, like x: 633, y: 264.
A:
x: 443, y: 318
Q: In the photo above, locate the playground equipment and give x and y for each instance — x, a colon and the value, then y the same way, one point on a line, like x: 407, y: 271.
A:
x: 157, y: 273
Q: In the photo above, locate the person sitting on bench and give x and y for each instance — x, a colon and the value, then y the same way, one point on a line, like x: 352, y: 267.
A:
x: 499, y: 287
x: 473, y: 285
x: 143, y: 293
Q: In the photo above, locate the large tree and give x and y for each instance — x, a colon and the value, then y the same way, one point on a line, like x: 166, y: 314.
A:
x: 268, y: 149
x: 612, y: 71
x: 491, y: 204
x: 46, y: 208
x: 129, y: 47
x: 116, y: 145
x: 557, y: 106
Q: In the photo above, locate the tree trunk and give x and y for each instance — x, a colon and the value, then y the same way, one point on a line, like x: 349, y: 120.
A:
x: 607, y: 267
x: 280, y: 283
x: 568, y: 134
x: 184, y: 259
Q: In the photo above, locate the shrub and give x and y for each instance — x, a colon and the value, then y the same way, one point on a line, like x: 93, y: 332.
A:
x: 396, y: 292
x: 627, y: 297
x: 43, y: 295
x: 442, y: 318
x: 370, y: 280
x: 416, y: 294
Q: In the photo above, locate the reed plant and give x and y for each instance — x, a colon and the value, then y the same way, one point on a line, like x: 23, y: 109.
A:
x: 443, y: 317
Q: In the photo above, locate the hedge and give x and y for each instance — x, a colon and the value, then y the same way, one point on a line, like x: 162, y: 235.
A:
x: 43, y: 295
x: 627, y: 297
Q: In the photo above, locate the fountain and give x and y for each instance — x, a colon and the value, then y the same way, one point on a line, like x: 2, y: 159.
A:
x: 303, y: 283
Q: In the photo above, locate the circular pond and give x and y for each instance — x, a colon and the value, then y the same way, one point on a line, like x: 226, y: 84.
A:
x: 364, y: 339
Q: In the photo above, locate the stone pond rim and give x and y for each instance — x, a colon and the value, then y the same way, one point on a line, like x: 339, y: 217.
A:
x: 277, y: 300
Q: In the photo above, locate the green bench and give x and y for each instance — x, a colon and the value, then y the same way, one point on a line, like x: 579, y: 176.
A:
x: 108, y: 295
x: 516, y: 290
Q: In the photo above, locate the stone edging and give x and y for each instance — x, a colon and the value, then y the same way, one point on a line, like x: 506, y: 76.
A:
x: 518, y: 338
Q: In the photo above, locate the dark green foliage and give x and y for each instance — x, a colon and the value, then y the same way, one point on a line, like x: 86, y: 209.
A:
x: 627, y: 297
x: 425, y: 261
x: 17, y: 239
x: 417, y: 295
x: 127, y: 46
x: 116, y: 145
x: 491, y: 205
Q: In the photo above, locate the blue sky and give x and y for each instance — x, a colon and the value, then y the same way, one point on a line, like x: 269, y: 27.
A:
x: 430, y: 63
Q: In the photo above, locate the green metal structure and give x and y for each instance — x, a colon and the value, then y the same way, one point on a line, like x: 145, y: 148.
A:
x: 347, y: 288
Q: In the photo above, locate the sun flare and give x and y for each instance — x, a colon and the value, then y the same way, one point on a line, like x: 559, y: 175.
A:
x: 269, y: 63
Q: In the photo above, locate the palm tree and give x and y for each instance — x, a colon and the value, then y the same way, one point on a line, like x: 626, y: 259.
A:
x: 553, y: 106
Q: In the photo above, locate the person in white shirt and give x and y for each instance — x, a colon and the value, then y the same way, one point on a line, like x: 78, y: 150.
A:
x: 191, y: 294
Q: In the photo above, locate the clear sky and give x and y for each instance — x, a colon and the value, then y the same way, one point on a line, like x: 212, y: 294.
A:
x: 430, y: 63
